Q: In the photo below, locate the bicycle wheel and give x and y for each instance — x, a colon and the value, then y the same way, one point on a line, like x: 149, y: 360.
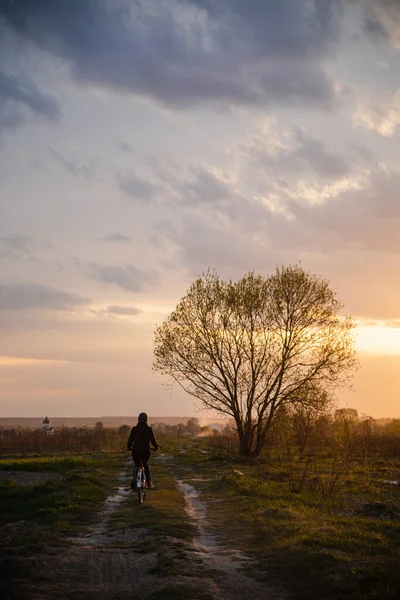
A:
x: 140, y: 486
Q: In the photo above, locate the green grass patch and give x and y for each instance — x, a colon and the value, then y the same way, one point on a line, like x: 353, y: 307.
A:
x: 163, y: 511
x: 165, y: 527
x: 52, y: 462
x: 32, y: 517
x: 317, y: 547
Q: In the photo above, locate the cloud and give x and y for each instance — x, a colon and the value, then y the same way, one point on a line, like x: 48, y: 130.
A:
x: 375, y: 28
x: 347, y: 230
x: 223, y: 200
x: 205, y: 187
x: 201, y: 242
x: 72, y: 167
x: 188, y: 52
x: 137, y: 188
x: 17, y: 245
x: 393, y: 323
x: 122, y: 310
x: 20, y: 99
x: 18, y: 361
x: 382, y: 20
x: 25, y: 296
x: 76, y: 262
x: 116, y: 238
x: 10, y: 117
x: 300, y: 152
x: 382, y: 64
x: 366, y: 218
x: 125, y: 147
x: 129, y: 278
x: 379, y: 111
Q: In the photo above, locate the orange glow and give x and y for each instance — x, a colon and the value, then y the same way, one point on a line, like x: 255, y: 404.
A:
x: 16, y: 361
x: 378, y: 339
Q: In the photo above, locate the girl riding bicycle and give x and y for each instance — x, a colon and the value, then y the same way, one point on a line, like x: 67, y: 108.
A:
x: 139, y: 441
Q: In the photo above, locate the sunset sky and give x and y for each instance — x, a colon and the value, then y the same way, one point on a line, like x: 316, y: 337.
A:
x: 142, y: 142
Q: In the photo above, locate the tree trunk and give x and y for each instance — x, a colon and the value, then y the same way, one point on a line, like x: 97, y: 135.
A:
x: 246, y: 448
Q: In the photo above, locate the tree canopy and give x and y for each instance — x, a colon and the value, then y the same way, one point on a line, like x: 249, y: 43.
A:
x: 247, y: 347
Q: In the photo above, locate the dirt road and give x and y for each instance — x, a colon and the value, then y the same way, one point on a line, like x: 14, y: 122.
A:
x: 111, y: 561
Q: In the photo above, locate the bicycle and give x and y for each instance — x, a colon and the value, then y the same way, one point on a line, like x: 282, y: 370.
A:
x: 140, y: 478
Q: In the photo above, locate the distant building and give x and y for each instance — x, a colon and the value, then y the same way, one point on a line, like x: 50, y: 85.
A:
x: 47, y: 426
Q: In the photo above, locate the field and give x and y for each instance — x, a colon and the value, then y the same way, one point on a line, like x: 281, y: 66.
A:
x: 215, y: 524
x: 45, y: 498
x: 339, y: 545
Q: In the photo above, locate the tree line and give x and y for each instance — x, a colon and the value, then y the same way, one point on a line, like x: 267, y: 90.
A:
x: 85, y: 439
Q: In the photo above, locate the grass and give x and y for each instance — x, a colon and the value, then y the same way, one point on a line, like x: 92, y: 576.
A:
x: 33, y: 517
x: 317, y: 547
x: 165, y: 525
x: 163, y: 511
x: 52, y: 462
x: 167, y: 532
x: 55, y: 506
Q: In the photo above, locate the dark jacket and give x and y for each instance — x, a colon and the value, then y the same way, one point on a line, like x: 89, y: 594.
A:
x: 140, y: 438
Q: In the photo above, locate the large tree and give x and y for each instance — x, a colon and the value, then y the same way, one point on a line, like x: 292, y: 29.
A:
x: 248, y: 347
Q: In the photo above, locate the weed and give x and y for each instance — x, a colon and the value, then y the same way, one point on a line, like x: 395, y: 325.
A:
x: 32, y: 517
x: 318, y: 545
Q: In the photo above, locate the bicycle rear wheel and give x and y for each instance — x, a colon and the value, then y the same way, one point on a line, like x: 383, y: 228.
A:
x: 141, y: 486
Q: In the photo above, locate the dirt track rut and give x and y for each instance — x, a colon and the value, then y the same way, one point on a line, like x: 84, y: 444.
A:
x: 108, y: 563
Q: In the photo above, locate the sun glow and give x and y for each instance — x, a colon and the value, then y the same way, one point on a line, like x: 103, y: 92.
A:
x: 15, y: 361
x: 378, y: 339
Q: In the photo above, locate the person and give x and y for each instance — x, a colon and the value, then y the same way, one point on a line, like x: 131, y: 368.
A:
x: 140, y: 438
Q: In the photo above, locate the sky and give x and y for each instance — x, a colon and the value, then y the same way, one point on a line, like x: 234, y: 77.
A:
x: 143, y: 142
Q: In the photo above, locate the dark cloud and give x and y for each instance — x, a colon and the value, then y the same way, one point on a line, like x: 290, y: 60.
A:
x: 125, y: 147
x: 137, y: 188
x: 204, y: 187
x: 72, y: 167
x: 303, y: 153
x: 25, y: 296
x: 189, y: 51
x: 10, y: 117
x: 122, y: 310
x: 20, y: 98
x: 382, y: 20
x: 293, y: 28
x: 374, y: 28
x: 17, y: 244
x: 311, y: 153
x: 129, y: 278
x: 116, y: 238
